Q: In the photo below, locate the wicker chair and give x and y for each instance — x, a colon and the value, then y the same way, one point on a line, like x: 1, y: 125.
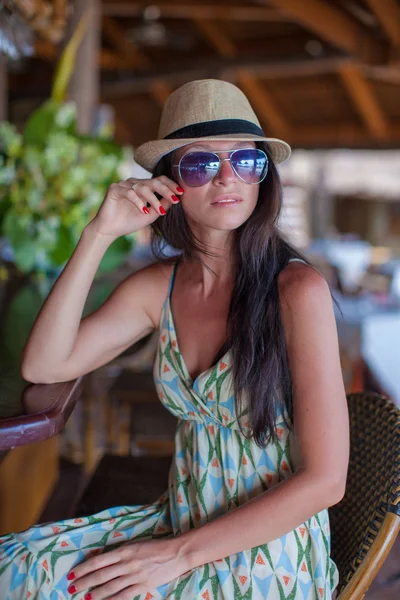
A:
x: 365, y: 524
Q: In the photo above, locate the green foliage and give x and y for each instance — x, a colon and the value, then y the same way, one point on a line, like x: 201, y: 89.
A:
x: 52, y: 183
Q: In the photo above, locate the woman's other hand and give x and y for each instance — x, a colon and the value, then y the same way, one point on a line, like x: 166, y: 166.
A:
x: 131, y: 569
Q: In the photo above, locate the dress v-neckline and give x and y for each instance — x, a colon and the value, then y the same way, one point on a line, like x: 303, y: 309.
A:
x: 190, y: 381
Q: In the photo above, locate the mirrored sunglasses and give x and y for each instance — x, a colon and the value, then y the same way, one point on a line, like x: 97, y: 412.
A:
x: 199, y: 167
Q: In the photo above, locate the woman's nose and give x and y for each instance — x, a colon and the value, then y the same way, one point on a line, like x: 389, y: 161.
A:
x: 226, y: 171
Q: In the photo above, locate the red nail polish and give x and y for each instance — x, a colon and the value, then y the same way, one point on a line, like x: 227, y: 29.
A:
x: 175, y: 198
x: 72, y: 589
x: 179, y: 189
x: 145, y: 210
x: 71, y: 575
x: 162, y: 210
x: 88, y: 597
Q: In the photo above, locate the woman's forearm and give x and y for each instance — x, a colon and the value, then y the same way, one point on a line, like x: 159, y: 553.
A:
x: 266, y: 517
x: 54, y: 332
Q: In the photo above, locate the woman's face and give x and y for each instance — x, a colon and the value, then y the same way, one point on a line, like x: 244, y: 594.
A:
x: 200, y: 203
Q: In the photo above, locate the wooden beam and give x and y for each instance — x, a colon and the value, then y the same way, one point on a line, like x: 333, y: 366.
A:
x: 388, y: 13
x: 216, y: 36
x: 334, y: 26
x: 366, y: 104
x: 192, y: 11
x: 263, y: 104
x: 260, y: 67
x: 224, y: 69
x: 122, y: 133
x: 111, y: 60
x: 108, y: 59
x: 281, y: 69
x: 128, y: 51
x: 391, y: 74
x: 160, y: 92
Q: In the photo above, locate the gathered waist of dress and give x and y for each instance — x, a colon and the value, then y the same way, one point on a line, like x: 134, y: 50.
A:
x: 213, y: 424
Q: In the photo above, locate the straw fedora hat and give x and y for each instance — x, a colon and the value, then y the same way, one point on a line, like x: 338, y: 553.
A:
x: 206, y: 109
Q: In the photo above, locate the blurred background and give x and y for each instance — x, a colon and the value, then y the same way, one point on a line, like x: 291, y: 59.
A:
x: 83, y: 83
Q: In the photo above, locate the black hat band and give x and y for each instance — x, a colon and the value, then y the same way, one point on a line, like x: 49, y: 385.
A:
x: 220, y: 127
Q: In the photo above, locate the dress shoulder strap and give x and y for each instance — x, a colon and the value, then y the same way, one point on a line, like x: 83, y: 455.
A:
x: 297, y: 259
x: 172, y: 279
x: 168, y: 296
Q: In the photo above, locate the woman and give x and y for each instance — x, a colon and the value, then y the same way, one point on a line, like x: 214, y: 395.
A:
x: 247, y: 360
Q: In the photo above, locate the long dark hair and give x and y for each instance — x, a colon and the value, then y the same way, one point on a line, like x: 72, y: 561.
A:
x: 255, y: 337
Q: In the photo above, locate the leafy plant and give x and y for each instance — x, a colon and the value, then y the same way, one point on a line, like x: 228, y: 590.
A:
x: 53, y: 180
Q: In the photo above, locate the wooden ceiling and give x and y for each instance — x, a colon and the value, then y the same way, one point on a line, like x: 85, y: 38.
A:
x: 319, y: 73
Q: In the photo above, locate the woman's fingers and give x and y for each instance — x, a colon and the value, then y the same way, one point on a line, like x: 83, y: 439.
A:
x: 140, y: 198
x: 125, y: 192
x: 164, y: 191
x: 145, y: 191
x: 143, y: 194
x: 99, y: 562
x: 97, y: 578
x: 137, y: 201
x: 115, y: 588
x: 125, y: 183
x: 171, y: 185
x: 162, y: 184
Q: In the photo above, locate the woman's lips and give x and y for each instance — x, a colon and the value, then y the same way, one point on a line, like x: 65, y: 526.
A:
x: 227, y: 201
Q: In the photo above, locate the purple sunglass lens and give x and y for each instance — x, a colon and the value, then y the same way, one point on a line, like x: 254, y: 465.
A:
x: 251, y: 165
x: 197, y: 168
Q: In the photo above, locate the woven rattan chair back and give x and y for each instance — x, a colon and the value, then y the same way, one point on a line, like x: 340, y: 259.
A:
x: 365, y: 523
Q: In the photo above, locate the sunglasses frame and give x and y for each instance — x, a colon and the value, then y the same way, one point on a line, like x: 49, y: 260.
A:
x: 216, y: 152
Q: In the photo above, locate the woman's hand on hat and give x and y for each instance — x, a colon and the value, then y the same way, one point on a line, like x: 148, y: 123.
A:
x: 124, y: 210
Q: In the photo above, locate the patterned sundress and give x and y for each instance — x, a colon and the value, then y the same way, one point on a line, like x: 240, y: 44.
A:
x: 213, y: 470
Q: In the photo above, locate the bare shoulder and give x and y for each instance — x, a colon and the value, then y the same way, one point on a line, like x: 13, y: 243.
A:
x: 156, y: 273
x: 151, y: 282
x: 305, y: 298
x: 300, y: 274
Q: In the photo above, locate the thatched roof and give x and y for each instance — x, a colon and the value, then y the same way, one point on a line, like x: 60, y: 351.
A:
x: 319, y: 73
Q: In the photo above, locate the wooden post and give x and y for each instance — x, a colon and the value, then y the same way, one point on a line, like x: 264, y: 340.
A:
x: 321, y: 202
x: 84, y: 87
x: 378, y: 223
x: 3, y: 89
